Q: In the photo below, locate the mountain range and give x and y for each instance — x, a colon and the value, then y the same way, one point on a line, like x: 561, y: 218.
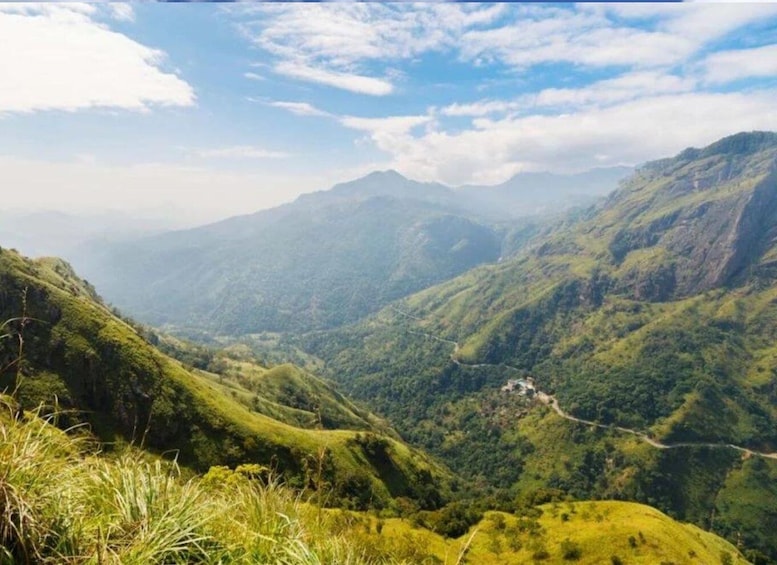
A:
x: 620, y: 350
x: 531, y: 194
x: 653, y: 312
x: 330, y: 257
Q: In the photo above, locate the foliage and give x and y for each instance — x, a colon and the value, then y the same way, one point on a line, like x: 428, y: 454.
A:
x: 63, y: 502
x: 95, y: 367
x: 327, y: 259
x: 654, y: 312
x: 452, y: 521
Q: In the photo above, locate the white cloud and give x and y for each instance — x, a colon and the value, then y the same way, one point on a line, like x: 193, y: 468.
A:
x: 122, y: 12
x: 241, y: 152
x: 392, y: 125
x: 727, y: 66
x: 339, y: 45
x: 346, y: 81
x: 628, y: 86
x: 625, y: 87
x: 624, y: 133
x: 707, y: 22
x: 345, y: 34
x: 37, y: 8
x: 299, y: 108
x: 480, y: 108
x: 343, y: 37
x: 344, y: 45
x: 698, y: 21
x: 58, y: 57
x: 392, y: 135
x: 580, y: 37
x: 253, y: 76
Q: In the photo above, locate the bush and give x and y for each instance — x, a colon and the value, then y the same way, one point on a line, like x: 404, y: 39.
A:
x: 540, y: 555
x: 570, y: 550
x: 454, y: 520
x: 499, y: 522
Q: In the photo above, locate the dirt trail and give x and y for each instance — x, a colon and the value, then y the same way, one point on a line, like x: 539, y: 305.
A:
x: 552, y: 401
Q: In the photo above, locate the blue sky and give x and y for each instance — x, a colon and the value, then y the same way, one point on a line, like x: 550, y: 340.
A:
x: 207, y: 110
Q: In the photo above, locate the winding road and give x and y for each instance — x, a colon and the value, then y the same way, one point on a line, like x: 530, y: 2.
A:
x: 552, y: 401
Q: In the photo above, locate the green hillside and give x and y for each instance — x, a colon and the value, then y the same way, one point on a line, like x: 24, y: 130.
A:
x: 82, y: 360
x: 586, y: 533
x: 284, y: 392
x: 327, y: 259
x: 63, y: 503
x: 330, y: 257
x: 655, y: 311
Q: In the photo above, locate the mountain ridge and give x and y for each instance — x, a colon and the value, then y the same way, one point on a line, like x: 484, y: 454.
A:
x: 96, y: 368
x: 327, y: 259
x: 532, y: 193
x: 290, y: 267
x: 654, y: 311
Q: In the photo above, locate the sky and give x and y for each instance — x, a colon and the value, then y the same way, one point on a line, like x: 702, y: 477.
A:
x: 201, y: 111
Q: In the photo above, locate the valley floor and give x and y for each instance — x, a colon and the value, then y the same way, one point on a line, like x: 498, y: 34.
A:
x: 552, y: 401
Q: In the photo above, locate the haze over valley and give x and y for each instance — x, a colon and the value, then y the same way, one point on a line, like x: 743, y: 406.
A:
x: 382, y: 283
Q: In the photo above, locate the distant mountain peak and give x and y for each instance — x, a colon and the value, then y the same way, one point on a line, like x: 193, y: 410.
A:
x: 391, y: 183
x: 388, y: 174
x: 386, y: 178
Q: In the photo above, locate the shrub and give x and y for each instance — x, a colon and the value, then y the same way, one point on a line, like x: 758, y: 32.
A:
x: 540, y: 555
x: 499, y: 521
x: 570, y: 550
x: 453, y: 520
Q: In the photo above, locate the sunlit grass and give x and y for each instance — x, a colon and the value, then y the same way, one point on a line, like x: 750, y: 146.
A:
x: 61, y: 502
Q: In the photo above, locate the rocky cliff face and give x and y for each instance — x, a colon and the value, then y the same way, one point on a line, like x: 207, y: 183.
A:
x: 706, y: 222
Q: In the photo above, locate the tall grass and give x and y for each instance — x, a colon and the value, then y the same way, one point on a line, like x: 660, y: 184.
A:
x: 61, y: 502
x: 36, y: 476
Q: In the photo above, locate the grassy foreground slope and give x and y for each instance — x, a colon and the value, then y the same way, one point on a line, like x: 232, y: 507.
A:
x: 64, y: 503
x: 100, y: 369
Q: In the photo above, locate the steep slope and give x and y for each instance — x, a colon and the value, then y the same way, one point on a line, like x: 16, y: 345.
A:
x: 284, y: 392
x: 329, y: 258
x: 100, y: 370
x: 654, y: 312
